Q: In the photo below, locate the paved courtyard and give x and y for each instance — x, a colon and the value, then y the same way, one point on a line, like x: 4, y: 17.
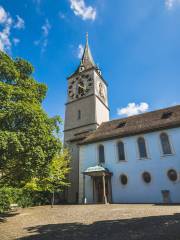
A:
x: 91, y: 222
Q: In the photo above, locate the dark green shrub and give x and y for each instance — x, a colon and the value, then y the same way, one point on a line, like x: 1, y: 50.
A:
x: 30, y: 198
x: 22, y: 197
x: 41, y: 198
x: 5, y: 199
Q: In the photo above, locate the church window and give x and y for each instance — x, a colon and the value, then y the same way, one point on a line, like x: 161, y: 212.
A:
x: 123, y: 179
x: 172, y: 175
x: 101, y: 154
x: 166, y: 147
x: 146, y: 177
x: 79, y: 114
x: 142, y: 147
x: 121, y: 152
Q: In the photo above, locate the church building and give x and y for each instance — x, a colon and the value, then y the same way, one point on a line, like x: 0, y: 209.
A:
x: 128, y: 160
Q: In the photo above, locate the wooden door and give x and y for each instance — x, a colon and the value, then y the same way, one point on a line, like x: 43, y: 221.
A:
x: 99, y: 189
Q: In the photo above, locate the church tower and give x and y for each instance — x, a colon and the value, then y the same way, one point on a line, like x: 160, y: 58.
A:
x: 86, y: 109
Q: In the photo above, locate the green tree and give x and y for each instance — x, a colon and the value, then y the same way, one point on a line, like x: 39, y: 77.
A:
x: 57, y: 175
x: 29, y: 139
x: 58, y: 171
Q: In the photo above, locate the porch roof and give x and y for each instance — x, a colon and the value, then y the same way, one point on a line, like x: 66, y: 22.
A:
x: 97, y: 171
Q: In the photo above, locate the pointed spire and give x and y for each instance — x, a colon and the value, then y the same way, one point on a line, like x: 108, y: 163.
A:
x: 87, y: 59
x: 86, y: 37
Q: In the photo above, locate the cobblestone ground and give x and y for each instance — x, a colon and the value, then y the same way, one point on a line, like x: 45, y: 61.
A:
x: 91, y: 222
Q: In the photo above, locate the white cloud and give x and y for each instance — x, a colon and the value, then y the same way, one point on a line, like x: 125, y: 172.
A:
x: 80, y: 51
x: 3, y: 15
x: 45, y: 28
x: 6, y: 24
x: 171, y: 3
x: 62, y: 15
x: 43, y: 41
x: 37, y: 4
x: 133, y: 109
x: 36, y: 42
x: 5, y: 43
x: 80, y: 9
x: 19, y: 23
x: 16, y: 41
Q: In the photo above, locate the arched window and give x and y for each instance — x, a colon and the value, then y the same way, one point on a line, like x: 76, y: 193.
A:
x: 166, y: 147
x: 142, y: 147
x: 101, y: 154
x: 121, y: 153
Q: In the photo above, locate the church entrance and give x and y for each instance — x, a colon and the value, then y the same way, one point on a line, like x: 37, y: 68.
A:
x: 98, y: 190
x: 101, y: 184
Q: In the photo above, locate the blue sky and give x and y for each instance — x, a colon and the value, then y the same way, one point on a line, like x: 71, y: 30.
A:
x: 136, y: 43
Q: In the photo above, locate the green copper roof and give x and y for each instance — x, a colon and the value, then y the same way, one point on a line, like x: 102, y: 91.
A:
x: 96, y: 169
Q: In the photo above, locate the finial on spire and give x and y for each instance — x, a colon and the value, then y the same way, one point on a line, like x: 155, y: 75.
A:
x: 86, y: 37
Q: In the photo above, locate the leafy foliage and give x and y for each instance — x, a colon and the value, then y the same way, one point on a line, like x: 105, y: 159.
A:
x: 28, y: 137
x: 5, y: 200
x: 22, y: 197
x: 58, y: 170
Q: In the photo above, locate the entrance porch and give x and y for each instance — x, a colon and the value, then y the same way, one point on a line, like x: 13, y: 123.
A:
x: 101, y: 184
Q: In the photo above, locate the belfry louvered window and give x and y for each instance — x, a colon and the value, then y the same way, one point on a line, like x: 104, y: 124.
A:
x: 142, y: 147
x: 165, y: 143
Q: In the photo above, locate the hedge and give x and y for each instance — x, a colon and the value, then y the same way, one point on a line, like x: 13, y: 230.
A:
x: 22, y: 197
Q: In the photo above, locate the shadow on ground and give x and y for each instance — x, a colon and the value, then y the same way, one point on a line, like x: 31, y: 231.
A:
x: 5, y: 216
x: 148, y: 228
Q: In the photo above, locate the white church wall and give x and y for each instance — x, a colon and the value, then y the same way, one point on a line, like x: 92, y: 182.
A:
x: 86, y: 152
x: 102, y: 113
x: 136, y: 190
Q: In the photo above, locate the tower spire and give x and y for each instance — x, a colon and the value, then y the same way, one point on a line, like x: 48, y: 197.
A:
x: 87, y: 59
x: 87, y: 37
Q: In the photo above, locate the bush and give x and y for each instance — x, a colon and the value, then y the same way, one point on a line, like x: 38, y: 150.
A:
x: 5, y: 199
x: 30, y: 198
x: 22, y: 197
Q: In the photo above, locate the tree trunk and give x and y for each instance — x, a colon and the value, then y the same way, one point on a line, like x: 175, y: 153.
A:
x: 52, y: 200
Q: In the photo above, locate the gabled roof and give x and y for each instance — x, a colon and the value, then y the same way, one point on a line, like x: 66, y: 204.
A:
x: 138, y: 124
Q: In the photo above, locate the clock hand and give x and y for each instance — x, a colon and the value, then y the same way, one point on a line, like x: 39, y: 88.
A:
x: 81, y: 87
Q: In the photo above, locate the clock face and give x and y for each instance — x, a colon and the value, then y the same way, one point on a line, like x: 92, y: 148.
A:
x: 101, y: 91
x: 80, y: 86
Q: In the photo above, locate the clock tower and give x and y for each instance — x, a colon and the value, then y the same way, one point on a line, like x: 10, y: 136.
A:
x: 86, y: 109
